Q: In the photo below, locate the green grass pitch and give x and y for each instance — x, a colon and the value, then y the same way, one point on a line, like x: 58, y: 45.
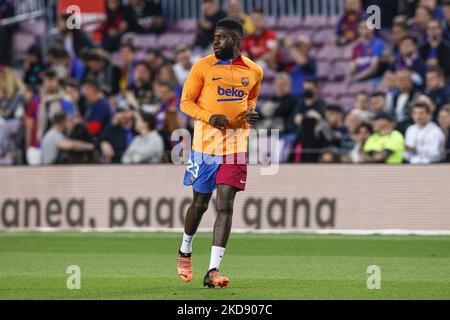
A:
x: 260, y: 266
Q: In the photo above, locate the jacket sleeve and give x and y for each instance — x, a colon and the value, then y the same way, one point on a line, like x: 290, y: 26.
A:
x: 254, y: 92
x: 191, y: 91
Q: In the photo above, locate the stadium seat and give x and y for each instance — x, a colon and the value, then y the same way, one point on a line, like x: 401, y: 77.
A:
x: 323, y: 37
x: 356, y: 87
x: 334, y: 89
x: 185, y: 25
x: 288, y: 23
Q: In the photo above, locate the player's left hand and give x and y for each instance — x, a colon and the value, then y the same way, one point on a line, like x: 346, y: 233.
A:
x: 251, y: 117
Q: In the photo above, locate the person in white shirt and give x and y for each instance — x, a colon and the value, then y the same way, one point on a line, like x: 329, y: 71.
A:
x: 184, y: 62
x: 424, y: 140
x: 148, y: 147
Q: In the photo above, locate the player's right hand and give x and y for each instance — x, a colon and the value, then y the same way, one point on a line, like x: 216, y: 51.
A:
x: 219, y: 121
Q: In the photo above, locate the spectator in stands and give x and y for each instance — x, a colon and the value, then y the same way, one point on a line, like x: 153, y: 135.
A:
x: 118, y: 136
x: 436, y: 52
x: 140, y: 93
x: 446, y: 9
x: 98, y: 111
x: 362, y: 101
x: 403, y: 98
x: 410, y: 58
x: 436, y: 89
x: 63, y: 64
x: 419, y: 24
x: 40, y: 111
x: 155, y: 60
x: 33, y: 66
x: 128, y: 56
x: 6, y: 32
x: 305, y: 64
x: 167, y: 74
x: 361, y: 135
x: 399, y: 31
x: 437, y: 11
x: 148, y: 146
x: 355, y: 118
x: 205, y: 29
x: 100, y: 67
x: 73, y: 91
x: 169, y: 102
x: 444, y: 124
x: 184, y: 62
x: 277, y: 112
x: 55, y: 140
x: 347, y: 28
x: 72, y: 39
x: 81, y: 133
x: 424, y: 140
x: 385, y: 145
x: 144, y: 17
x: 333, y: 131
x: 261, y: 46
x: 378, y: 102
x: 12, y: 91
x: 235, y: 11
x: 4, y: 135
x: 366, y: 56
x: 114, y: 25
x: 330, y: 155
x: 310, y: 100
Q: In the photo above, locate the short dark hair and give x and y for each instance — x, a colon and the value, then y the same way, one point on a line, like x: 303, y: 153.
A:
x: 410, y: 37
x: 128, y: 45
x: 232, y: 25
x: 50, y: 74
x: 312, y: 80
x: 149, y: 119
x: 366, y: 125
x: 93, y: 83
x: 59, y: 117
x: 334, y: 108
x: 436, y: 70
x: 166, y: 84
x: 143, y: 63
x: 58, y: 52
x: 421, y: 105
x: 71, y: 82
x: 363, y: 92
x: 378, y: 94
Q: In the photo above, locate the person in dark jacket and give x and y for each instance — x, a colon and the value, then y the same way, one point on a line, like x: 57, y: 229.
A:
x: 72, y: 39
x: 117, y: 137
x: 436, y: 52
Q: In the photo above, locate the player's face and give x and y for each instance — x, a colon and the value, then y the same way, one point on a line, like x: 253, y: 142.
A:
x: 223, y: 44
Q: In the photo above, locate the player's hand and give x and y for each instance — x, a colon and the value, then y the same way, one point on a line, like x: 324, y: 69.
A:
x: 219, y: 121
x: 251, y: 117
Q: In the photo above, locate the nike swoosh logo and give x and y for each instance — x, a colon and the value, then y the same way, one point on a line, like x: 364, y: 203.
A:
x: 242, y: 181
x: 214, y: 79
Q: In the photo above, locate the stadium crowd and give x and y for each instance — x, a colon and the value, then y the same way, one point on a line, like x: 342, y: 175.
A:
x: 98, y: 97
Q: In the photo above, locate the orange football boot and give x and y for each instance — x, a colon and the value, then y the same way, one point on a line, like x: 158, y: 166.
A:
x: 184, y: 268
x: 214, y: 279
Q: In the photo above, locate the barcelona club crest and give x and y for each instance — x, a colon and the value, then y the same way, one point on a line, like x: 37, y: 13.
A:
x: 245, y: 81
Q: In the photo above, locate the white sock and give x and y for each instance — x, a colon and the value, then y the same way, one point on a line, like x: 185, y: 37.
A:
x: 186, y: 245
x: 216, y: 256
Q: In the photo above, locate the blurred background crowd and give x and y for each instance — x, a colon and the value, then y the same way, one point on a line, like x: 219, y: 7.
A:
x: 336, y: 89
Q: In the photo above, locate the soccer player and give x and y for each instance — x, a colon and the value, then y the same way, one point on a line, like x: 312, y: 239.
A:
x: 220, y: 93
